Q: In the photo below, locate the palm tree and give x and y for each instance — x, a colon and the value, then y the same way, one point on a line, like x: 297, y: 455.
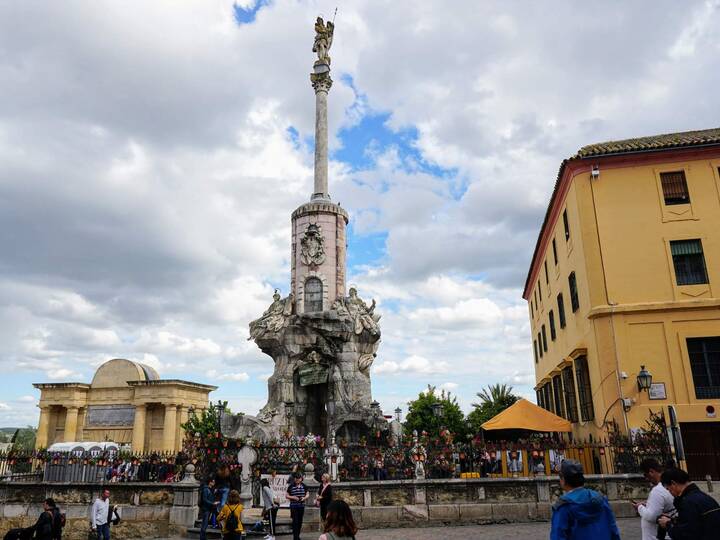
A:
x: 495, y: 394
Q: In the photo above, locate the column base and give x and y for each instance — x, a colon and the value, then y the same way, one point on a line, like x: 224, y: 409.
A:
x: 320, y: 197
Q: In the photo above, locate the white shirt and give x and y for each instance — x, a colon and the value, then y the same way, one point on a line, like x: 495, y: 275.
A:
x: 99, y: 512
x: 659, y: 502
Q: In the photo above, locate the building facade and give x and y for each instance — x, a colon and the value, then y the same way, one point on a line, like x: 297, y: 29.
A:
x: 626, y: 273
x: 126, y: 403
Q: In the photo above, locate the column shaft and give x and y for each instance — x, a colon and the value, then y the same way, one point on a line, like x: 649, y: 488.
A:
x: 180, y: 433
x: 321, y: 144
x: 41, y: 439
x: 71, y: 421
x: 138, y: 434
x: 169, y: 428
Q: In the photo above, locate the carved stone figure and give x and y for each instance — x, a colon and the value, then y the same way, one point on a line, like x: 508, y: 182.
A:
x: 363, y: 316
x: 274, y: 318
x: 312, y: 245
x: 323, y: 40
x: 365, y: 361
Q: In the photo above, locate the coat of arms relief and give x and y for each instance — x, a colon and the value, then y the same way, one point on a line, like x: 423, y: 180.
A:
x: 312, y: 246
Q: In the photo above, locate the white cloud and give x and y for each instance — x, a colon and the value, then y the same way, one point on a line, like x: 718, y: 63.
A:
x: 62, y: 374
x: 27, y: 399
x: 414, y: 364
x: 4, y: 407
x: 223, y: 376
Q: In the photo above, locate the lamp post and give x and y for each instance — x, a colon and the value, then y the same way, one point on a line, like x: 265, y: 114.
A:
x: 644, y: 379
x: 437, y: 409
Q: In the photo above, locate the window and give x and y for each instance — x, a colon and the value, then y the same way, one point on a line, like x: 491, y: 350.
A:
x: 532, y: 313
x: 535, y: 294
x: 555, y: 252
x: 674, y: 187
x: 561, y: 310
x: 689, y: 262
x: 569, y: 387
x: 547, y: 397
x: 547, y: 278
x: 535, y: 350
x: 544, y: 338
x: 538, y: 393
x: 705, y: 364
x: 539, y: 340
x: 582, y: 374
x: 566, y: 225
x: 539, y: 290
x: 557, y: 395
x: 313, y: 295
x: 551, y: 316
x: 574, y: 302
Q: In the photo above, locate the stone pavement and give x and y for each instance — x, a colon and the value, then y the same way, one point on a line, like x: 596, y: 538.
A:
x: 629, y: 530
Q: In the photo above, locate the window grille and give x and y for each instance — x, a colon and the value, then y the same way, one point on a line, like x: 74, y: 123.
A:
x: 561, y: 310
x: 555, y: 251
x: 570, y: 400
x: 557, y: 395
x: 566, y: 225
x: 705, y: 365
x: 547, y: 397
x: 689, y: 262
x: 675, y: 188
x: 551, y: 317
x: 313, y: 295
x: 587, y: 412
x: 544, y: 338
x: 574, y: 301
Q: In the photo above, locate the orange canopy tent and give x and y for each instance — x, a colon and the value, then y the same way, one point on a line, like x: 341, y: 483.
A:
x: 525, y: 415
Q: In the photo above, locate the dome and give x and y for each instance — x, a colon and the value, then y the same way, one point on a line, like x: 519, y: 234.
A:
x: 118, y: 371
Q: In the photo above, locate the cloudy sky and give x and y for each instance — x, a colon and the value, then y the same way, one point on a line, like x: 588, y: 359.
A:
x: 151, y: 154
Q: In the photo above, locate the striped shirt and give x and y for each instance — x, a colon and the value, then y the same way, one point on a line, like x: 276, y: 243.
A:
x: 297, y: 490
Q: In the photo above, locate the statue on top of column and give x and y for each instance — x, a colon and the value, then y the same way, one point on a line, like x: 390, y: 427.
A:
x: 274, y: 318
x: 323, y: 40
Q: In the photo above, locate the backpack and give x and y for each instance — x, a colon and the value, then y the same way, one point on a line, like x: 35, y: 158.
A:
x: 232, y: 521
x: 58, y: 520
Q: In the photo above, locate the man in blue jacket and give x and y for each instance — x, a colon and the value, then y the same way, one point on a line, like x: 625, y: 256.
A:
x: 207, y: 504
x: 581, y: 513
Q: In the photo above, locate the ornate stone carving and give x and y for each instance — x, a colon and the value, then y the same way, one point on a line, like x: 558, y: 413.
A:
x: 312, y: 245
x: 323, y: 40
x: 321, y: 82
x: 365, y: 361
x: 364, y: 317
x: 275, y: 317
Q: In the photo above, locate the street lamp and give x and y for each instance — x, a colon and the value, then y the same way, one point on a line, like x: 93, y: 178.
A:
x: 437, y: 409
x: 398, y: 412
x: 644, y: 379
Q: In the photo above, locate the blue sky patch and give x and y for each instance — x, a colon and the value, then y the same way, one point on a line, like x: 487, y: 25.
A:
x: 247, y: 16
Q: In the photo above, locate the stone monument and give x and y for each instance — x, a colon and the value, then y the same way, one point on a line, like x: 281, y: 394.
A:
x: 322, y: 340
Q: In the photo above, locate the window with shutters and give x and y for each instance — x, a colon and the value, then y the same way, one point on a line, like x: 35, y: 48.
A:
x: 544, y: 338
x: 674, y: 186
x: 561, y: 310
x: 705, y: 365
x: 313, y: 295
x: 689, y: 262
x: 582, y: 374
x: 551, y: 317
x: 570, y: 399
x: 558, y: 396
x: 574, y: 301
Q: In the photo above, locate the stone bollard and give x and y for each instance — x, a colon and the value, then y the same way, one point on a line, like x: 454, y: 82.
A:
x: 184, y: 510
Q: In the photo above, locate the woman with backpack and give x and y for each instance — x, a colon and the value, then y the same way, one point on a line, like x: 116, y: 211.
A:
x: 231, y: 517
x: 339, y: 524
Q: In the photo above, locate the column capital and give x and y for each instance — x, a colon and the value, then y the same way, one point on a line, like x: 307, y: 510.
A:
x: 321, y: 82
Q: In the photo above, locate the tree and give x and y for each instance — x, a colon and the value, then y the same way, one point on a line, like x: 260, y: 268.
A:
x: 421, y: 416
x: 493, y: 400
x: 205, y: 423
x: 24, y: 439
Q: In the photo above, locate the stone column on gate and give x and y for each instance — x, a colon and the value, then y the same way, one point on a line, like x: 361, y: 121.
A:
x: 138, y: 434
x: 184, y: 414
x: 169, y: 427
x: 71, y: 421
x: 41, y: 439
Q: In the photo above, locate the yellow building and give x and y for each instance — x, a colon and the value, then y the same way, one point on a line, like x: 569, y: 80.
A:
x: 626, y: 273
x: 126, y: 402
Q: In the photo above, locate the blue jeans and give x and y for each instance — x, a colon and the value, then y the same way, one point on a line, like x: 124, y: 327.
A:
x: 224, y: 492
x: 103, y: 531
x: 204, y: 517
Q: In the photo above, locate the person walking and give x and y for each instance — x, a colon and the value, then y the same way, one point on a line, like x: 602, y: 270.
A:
x: 297, y: 494
x: 44, y: 526
x: 581, y: 513
x: 339, y: 524
x: 324, y: 496
x: 231, y: 517
x: 659, y: 501
x: 207, y: 504
x: 270, y: 509
x: 100, y: 514
x: 698, y: 515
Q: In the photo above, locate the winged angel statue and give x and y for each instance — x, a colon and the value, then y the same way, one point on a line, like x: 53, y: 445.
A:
x: 323, y: 40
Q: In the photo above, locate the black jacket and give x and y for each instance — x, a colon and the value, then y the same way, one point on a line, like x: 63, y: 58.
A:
x: 207, y: 499
x: 698, y: 516
x: 44, y: 526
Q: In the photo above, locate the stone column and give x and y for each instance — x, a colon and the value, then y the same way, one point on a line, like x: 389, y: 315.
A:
x: 138, y: 434
x: 169, y: 427
x: 41, y: 439
x: 71, y: 421
x: 180, y: 433
x: 321, y: 83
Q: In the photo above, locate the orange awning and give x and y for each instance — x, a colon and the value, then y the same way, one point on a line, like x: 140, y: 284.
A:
x: 525, y: 415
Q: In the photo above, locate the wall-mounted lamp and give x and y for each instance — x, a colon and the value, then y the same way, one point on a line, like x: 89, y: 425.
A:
x: 437, y: 409
x: 595, y: 172
x: 644, y: 379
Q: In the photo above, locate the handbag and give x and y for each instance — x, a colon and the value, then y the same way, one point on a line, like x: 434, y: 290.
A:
x: 92, y: 535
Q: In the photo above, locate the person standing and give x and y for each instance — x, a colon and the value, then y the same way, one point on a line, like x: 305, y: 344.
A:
x: 581, y: 513
x: 297, y: 494
x: 324, y: 497
x: 100, y: 515
x: 339, y: 524
x: 44, y: 526
x: 208, y: 505
x: 270, y: 509
x: 231, y: 517
x: 698, y: 514
x: 659, y: 501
